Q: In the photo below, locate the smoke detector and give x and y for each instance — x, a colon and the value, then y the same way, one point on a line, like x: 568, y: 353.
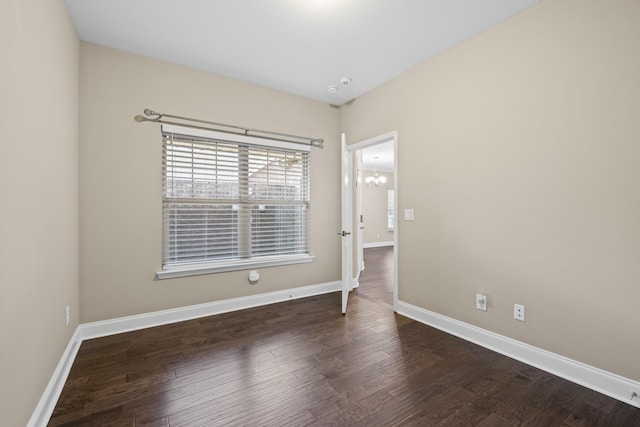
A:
x: 345, y: 81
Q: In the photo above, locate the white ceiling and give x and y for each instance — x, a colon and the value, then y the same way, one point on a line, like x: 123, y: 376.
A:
x: 297, y: 46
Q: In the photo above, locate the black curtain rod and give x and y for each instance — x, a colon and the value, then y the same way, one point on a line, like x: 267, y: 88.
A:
x: 237, y: 130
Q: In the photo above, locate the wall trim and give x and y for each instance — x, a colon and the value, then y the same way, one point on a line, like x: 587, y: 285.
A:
x: 604, y: 382
x: 377, y: 244
x: 47, y: 403
x: 42, y: 414
x: 180, y: 314
x: 596, y: 379
x: 355, y: 281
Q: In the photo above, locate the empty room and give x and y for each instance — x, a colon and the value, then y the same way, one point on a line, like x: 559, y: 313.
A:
x: 186, y: 233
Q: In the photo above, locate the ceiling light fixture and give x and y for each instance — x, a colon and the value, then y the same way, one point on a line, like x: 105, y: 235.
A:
x: 344, y: 82
x: 376, y: 180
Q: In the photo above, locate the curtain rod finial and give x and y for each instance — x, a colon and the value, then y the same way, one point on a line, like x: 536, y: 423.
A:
x: 149, y: 112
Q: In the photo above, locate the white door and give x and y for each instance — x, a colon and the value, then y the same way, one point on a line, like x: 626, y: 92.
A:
x: 345, y: 234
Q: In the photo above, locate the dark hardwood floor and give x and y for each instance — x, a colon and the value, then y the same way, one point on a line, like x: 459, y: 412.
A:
x: 376, y: 281
x: 302, y: 363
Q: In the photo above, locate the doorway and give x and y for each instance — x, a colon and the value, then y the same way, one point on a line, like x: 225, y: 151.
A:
x: 376, y: 230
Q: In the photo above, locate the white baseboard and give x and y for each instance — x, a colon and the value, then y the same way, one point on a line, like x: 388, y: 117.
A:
x: 355, y: 281
x: 157, y: 318
x: 604, y: 382
x: 377, y: 244
x: 47, y: 404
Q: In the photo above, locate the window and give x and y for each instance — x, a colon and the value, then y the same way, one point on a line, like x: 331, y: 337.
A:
x: 232, y: 202
x: 390, y: 208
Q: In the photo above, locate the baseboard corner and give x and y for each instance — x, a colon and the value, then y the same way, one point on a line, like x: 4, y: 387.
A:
x: 43, y: 411
x: 46, y: 405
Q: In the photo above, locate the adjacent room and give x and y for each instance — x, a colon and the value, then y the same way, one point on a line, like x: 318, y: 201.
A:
x: 188, y: 234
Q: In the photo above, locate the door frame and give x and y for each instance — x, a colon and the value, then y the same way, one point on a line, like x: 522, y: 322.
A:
x: 386, y: 137
x: 358, y: 211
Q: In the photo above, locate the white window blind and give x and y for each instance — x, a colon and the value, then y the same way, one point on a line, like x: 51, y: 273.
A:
x: 231, y: 198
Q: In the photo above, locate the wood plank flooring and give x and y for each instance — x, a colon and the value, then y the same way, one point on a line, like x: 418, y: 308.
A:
x: 301, y: 363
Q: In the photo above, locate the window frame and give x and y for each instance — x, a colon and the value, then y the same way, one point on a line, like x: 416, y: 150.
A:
x: 391, y: 210
x: 217, y: 266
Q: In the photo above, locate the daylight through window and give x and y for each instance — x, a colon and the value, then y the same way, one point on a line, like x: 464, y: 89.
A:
x: 231, y: 199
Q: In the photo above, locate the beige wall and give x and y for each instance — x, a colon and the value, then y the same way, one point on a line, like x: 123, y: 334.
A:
x: 519, y: 151
x: 121, y: 174
x: 374, y: 210
x: 39, y: 190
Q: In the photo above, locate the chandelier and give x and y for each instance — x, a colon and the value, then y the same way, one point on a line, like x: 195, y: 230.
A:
x: 376, y: 180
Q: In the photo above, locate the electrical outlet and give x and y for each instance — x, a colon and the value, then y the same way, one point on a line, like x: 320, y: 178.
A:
x: 481, y: 302
x: 519, y: 312
x: 67, y: 315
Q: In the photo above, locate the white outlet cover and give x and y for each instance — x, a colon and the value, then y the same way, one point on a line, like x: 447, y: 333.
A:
x: 519, y: 312
x: 481, y: 302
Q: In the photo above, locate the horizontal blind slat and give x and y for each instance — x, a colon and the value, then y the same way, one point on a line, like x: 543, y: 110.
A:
x: 224, y: 200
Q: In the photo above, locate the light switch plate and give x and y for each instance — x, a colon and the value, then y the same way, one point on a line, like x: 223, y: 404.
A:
x: 408, y: 215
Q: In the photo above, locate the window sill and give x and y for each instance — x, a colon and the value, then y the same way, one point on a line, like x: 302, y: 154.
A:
x: 220, y: 267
